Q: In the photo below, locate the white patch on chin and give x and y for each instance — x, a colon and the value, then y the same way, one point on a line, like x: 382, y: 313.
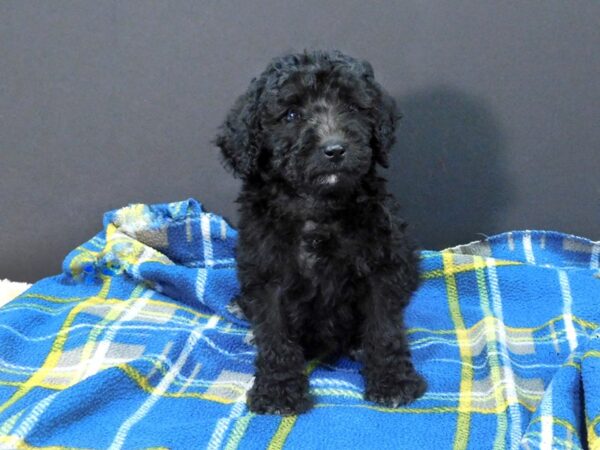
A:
x: 330, y: 179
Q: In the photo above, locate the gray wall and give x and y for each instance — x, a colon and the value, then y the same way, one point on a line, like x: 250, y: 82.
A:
x: 103, y: 103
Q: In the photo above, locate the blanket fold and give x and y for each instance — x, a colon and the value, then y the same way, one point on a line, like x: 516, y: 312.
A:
x: 136, y: 344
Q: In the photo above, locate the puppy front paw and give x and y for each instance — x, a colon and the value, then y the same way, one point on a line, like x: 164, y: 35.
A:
x: 281, y: 398
x: 397, y: 390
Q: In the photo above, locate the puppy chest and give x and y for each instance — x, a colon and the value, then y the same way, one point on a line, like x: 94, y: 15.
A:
x: 327, y: 252
x: 316, y: 247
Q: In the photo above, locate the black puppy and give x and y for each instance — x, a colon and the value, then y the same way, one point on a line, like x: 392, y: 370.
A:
x: 324, y: 266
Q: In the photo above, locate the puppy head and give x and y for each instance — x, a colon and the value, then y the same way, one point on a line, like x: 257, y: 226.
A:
x: 317, y: 121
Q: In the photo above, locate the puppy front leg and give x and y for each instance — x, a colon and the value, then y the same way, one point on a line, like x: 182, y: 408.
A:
x: 280, y: 384
x: 390, y: 377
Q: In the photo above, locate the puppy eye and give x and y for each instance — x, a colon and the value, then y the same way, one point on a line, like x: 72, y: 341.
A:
x: 292, y: 116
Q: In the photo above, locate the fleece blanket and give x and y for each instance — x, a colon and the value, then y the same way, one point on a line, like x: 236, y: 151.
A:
x: 11, y: 289
x: 136, y: 345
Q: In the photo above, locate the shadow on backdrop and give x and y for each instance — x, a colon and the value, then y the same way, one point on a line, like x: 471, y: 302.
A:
x: 447, y: 170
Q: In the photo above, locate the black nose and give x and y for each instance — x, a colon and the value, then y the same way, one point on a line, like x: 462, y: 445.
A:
x: 334, y: 151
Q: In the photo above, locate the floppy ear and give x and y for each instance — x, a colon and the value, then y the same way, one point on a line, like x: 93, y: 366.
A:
x: 240, y: 135
x: 384, y: 129
x: 385, y: 115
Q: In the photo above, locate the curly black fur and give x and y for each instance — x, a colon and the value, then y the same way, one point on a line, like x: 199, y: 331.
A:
x: 324, y: 266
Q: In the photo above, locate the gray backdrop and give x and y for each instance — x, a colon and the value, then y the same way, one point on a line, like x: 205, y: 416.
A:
x: 104, y: 103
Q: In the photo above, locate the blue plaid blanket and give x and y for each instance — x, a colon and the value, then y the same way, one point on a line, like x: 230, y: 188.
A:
x: 136, y: 345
